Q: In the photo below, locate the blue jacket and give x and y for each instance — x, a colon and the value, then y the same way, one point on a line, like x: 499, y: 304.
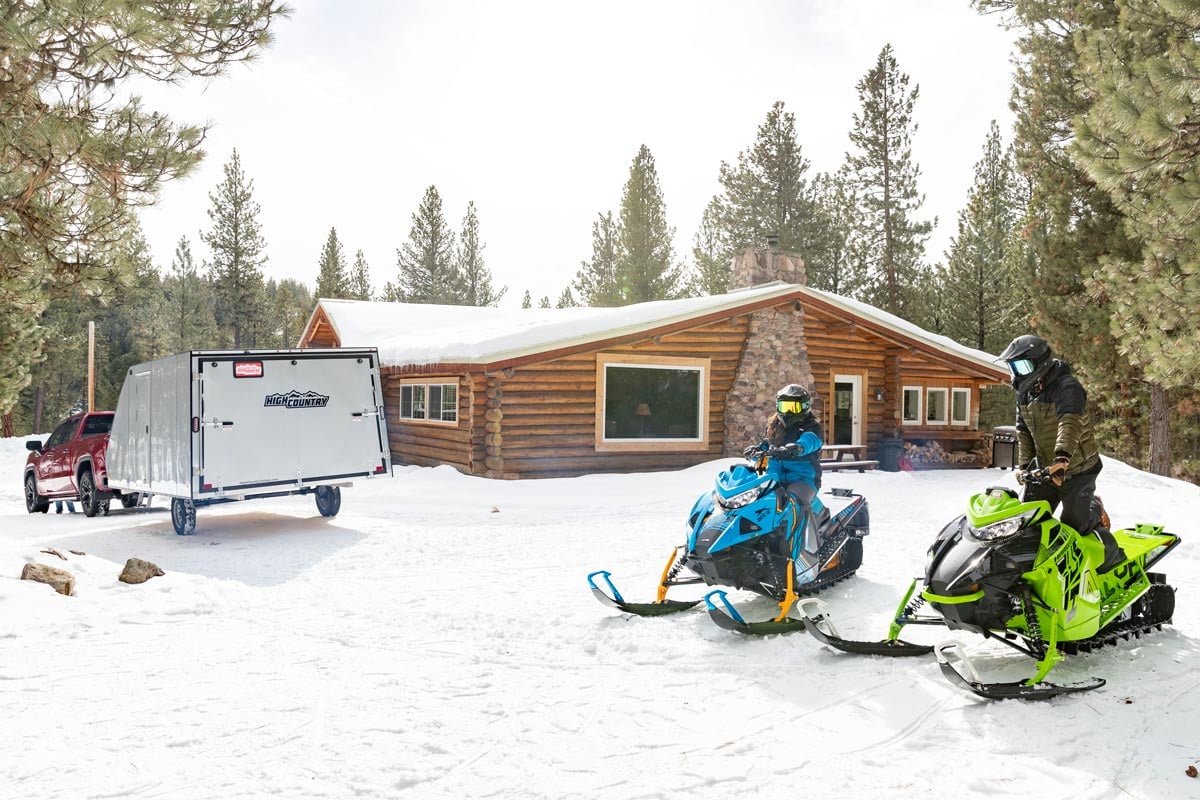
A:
x: 805, y: 463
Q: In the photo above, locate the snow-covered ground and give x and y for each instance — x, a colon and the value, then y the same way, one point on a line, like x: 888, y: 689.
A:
x: 437, y: 640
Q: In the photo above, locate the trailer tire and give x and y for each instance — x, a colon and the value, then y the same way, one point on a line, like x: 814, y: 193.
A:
x: 329, y: 500
x: 183, y: 516
x: 34, y: 502
x: 88, y: 495
x: 131, y: 500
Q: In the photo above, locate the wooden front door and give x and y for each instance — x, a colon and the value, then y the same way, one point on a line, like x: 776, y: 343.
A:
x: 848, y: 409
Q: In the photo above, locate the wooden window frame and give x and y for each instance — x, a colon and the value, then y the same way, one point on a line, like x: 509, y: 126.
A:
x: 701, y: 444
x: 427, y: 383
x: 956, y: 390
x: 945, y: 392
x: 920, y: 390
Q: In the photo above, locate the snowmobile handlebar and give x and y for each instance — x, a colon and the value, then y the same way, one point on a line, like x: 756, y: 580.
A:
x: 1035, y: 477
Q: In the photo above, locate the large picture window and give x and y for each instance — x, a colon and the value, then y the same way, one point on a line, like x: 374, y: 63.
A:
x: 651, y: 402
x: 432, y: 402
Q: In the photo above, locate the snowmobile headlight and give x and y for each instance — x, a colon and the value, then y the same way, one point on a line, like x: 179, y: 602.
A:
x: 999, y: 530
x: 739, y: 500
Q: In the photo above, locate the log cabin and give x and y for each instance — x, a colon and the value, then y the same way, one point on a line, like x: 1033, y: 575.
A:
x: 535, y: 393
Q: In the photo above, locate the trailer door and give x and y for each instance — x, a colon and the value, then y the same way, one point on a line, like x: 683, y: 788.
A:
x: 286, y: 419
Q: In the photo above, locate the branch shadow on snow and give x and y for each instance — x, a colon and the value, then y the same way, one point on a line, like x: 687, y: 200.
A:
x: 255, y: 548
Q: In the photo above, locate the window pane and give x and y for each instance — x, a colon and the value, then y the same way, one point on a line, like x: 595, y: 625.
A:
x: 450, y: 402
x: 961, y: 405
x: 98, y: 424
x: 406, y: 402
x: 435, y: 401
x: 651, y: 403
x: 418, y: 401
x: 935, y: 403
x: 912, y: 405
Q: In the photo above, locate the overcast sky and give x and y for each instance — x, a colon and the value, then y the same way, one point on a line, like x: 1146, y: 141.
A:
x: 535, y: 110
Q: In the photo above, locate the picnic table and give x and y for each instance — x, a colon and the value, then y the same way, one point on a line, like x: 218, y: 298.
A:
x: 833, y: 457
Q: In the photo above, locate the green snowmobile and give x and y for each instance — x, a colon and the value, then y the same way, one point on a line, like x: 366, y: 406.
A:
x: 1011, y: 572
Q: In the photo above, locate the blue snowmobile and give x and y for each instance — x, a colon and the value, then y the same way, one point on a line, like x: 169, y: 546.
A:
x: 749, y: 532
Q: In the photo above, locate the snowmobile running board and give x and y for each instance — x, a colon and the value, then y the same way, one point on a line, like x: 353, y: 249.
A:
x: 722, y: 612
x: 820, y: 626
x: 640, y: 609
x: 1014, y: 690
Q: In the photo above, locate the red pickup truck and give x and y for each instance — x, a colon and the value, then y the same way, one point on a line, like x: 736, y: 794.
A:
x: 71, y: 465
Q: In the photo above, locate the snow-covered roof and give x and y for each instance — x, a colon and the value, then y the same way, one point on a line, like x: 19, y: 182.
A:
x: 409, y: 333
x: 420, y: 334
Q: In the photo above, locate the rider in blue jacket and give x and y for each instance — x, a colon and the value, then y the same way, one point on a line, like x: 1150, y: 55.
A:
x: 797, y: 436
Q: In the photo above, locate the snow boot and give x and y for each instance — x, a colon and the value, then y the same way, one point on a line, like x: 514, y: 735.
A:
x: 1113, y: 554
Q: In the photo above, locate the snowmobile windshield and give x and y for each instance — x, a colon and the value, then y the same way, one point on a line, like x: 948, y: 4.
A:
x: 792, y: 406
x: 1022, y: 366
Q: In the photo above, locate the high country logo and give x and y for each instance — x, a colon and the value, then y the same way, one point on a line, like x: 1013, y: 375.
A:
x: 294, y: 399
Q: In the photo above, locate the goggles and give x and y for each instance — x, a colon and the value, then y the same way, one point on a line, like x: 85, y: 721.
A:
x: 792, y: 406
x: 1022, y: 366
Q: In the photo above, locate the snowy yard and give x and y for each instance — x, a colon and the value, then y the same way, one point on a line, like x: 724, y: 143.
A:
x: 437, y: 640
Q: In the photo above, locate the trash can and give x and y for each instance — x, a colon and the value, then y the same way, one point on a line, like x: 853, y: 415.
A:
x: 889, y: 454
x: 1004, y: 447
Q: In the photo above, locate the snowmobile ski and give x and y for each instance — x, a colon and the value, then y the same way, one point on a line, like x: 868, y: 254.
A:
x: 1012, y: 690
x: 818, y: 623
x: 615, y: 600
x: 722, y: 612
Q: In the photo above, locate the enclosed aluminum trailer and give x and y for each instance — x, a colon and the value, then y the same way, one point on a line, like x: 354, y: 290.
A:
x: 211, y: 426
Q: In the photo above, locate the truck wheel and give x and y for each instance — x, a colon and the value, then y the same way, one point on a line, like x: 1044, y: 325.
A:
x: 183, y: 516
x: 131, y: 500
x: 34, y: 502
x: 87, y: 495
x: 329, y: 500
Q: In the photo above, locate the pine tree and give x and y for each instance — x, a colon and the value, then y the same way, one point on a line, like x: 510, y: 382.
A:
x: 332, y: 280
x: 597, y: 281
x: 566, y: 299
x: 81, y: 150
x: 767, y: 194
x: 1139, y: 141
x: 360, y: 278
x: 884, y: 176
x: 980, y: 292
x: 426, y: 269
x: 236, y: 244
x: 544, y: 302
x: 190, y: 323
x: 526, y: 301
x: 841, y: 267
x: 711, y: 254
x: 291, y: 304
x: 476, y: 277
x: 646, y: 256
x: 1070, y: 224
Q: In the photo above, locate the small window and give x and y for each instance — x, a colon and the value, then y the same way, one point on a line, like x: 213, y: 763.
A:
x: 935, y: 406
x: 912, y: 405
x: 435, y: 402
x: 960, y: 407
x: 63, y: 433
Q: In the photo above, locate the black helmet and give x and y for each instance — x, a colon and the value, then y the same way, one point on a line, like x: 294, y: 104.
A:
x: 1028, y: 359
x: 793, y: 399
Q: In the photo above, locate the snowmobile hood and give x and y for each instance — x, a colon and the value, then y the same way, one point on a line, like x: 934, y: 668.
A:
x: 999, y: 503
x: 742, y: 478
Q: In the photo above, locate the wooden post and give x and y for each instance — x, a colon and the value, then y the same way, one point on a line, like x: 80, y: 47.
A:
x: 91, y: 366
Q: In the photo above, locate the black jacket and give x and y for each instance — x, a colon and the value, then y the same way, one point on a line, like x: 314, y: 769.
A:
x: 1053, y: 420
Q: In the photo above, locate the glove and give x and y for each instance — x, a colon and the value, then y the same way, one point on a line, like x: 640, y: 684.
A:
x: 1058, y: 470
x: 755, y: 450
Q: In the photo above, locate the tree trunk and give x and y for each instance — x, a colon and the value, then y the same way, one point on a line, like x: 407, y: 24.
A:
x: 1160, y: 431
x: 39, y: 397
x: 8, y: 425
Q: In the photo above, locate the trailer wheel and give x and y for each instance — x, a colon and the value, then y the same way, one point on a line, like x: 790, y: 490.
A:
x: 183, y: 516
x: 34, y: 502
x: 131, y: 500
x: 329, y: 500
x: 92, y: 505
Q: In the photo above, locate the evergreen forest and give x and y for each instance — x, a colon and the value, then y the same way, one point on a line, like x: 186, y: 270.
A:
x: 1080, y: 224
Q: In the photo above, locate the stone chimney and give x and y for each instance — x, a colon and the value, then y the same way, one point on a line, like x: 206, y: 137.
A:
x: 775, y: 354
